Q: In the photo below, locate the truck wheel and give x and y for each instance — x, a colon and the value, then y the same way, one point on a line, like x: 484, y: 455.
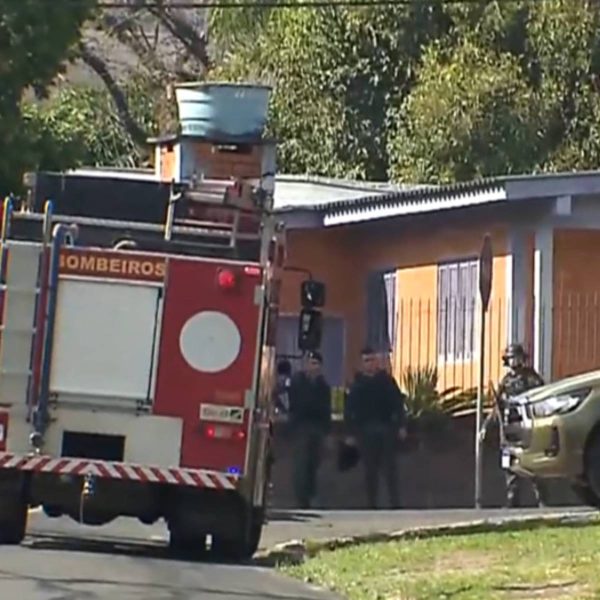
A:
x: 585, y: 494
x: 592, y: 469
x: 184, y: 544
x: 187, y: 546
x: 245, y: 544
x: 258, y: 519
x: 13, y: 522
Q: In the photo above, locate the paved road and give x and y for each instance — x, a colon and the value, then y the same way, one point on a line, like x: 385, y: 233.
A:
x: 61, y: 560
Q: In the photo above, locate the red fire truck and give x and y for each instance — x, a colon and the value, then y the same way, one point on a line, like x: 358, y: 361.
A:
x: 136, y: 359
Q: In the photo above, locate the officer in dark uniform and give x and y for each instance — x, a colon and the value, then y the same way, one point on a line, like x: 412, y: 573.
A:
x: 310, y: 420
x: 520, y: 378
x: 375, y: 417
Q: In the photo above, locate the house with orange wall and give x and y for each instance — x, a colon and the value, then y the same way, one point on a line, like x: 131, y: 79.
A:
x: 400, y: 263
x: 423, y: 245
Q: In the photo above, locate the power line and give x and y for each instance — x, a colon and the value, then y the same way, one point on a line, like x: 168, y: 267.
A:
x: 289, y: 3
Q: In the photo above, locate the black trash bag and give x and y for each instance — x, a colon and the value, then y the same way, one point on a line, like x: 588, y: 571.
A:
x: 348, y: 456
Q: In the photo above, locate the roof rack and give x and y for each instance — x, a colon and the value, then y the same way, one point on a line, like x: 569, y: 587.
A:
x: 188, y: 215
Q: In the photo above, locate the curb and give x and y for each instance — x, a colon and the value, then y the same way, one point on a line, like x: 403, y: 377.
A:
x: 297, y: 551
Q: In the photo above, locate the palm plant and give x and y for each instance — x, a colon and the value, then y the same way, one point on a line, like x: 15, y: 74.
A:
x: 421, y: 384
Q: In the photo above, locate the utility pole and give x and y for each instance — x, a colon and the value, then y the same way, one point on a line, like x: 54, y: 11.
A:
x: 486, y: 261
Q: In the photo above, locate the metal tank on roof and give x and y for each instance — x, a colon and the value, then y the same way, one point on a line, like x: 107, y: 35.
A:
x: 222, y: 111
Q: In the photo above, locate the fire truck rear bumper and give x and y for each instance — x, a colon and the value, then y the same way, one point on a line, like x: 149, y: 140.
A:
x: 77, y: 467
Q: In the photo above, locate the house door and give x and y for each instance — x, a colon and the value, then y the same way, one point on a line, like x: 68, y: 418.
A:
x: 332, y: 346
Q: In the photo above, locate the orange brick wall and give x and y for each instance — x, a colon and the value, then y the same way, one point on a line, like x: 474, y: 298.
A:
x: 219, y: 164
x: 167, y: 163
x: 417, y: 298
x: 343, y: 257
x: 214, y: 162
x: 576, y: 323
x: 529, y: 308
x: 330, y: 256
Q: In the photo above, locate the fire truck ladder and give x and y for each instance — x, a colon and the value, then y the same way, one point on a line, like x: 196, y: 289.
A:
x: 29, y: 301
x: 206, y: 192
x: 61, y: 234
x: 21, y: 277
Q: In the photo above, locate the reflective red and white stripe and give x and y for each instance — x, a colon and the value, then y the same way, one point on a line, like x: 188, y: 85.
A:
x: 117, y: 470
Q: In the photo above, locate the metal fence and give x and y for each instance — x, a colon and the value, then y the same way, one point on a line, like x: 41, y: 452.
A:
x: 575, y: 334
x: 446, y: 337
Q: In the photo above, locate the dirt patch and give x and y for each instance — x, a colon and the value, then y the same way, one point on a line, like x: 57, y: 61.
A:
x: 551, y: 589
x: 463, y: 560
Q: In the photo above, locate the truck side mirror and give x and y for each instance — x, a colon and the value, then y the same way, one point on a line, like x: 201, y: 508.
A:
x: 312, y: 294
x: 310, y: 330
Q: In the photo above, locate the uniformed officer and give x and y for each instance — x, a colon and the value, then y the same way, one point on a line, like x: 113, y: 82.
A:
x: 376, y: 419
x: 310, y: 420
x: 520, y: 378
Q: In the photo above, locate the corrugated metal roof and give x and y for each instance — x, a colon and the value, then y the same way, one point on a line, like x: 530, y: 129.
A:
x: 417, y: 200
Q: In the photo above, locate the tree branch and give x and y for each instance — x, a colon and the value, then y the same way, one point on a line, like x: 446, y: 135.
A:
x: 123, y: 30
x: 196, y: 44
x: 98, y: 65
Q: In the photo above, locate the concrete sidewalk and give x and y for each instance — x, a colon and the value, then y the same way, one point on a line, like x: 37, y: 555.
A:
x: 289, y: 525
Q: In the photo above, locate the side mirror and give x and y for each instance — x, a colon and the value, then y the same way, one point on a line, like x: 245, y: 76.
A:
x: 312, y: 294
x: 310, y: 330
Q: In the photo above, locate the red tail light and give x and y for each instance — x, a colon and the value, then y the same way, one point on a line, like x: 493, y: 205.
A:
x: 224, y: 432
x: 252, y: 271
x: 3, y: 430
x: 226, y: 279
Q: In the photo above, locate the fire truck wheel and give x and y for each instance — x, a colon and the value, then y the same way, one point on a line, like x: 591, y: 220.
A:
x: 182, y: 544
x: 244, y: 545
x: 255, y: 532
x: 13, y: 522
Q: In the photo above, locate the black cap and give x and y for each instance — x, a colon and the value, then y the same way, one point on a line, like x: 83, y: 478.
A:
x: 515, y: 350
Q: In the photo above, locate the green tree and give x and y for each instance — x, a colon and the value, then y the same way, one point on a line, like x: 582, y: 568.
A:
x: 335, y: 70
x: 470, y: 114
x: 514, y: 88
x: 564, y: 49
x: 36, y: 38
x: 82, y: 126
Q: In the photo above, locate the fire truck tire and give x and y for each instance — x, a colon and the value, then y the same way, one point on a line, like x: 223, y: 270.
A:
x: 185, y: 545
x: 258, y: 519
x: 244, y: 545
x: 13, y: 523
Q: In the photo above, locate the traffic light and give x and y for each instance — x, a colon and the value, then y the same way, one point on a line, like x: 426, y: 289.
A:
x: 310, y: 329
x: 312, y: 294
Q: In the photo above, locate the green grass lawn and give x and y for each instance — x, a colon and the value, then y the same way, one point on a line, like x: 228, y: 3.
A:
x: 545, y: 563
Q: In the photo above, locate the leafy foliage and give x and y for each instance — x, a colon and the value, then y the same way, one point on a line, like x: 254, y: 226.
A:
x: 425, y: 400
x: 36, y: 38
x: 430, y: 92
x: 427, y: 92
x: 470, y: 114
x: 335, y: 70
x: 81, y: 127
